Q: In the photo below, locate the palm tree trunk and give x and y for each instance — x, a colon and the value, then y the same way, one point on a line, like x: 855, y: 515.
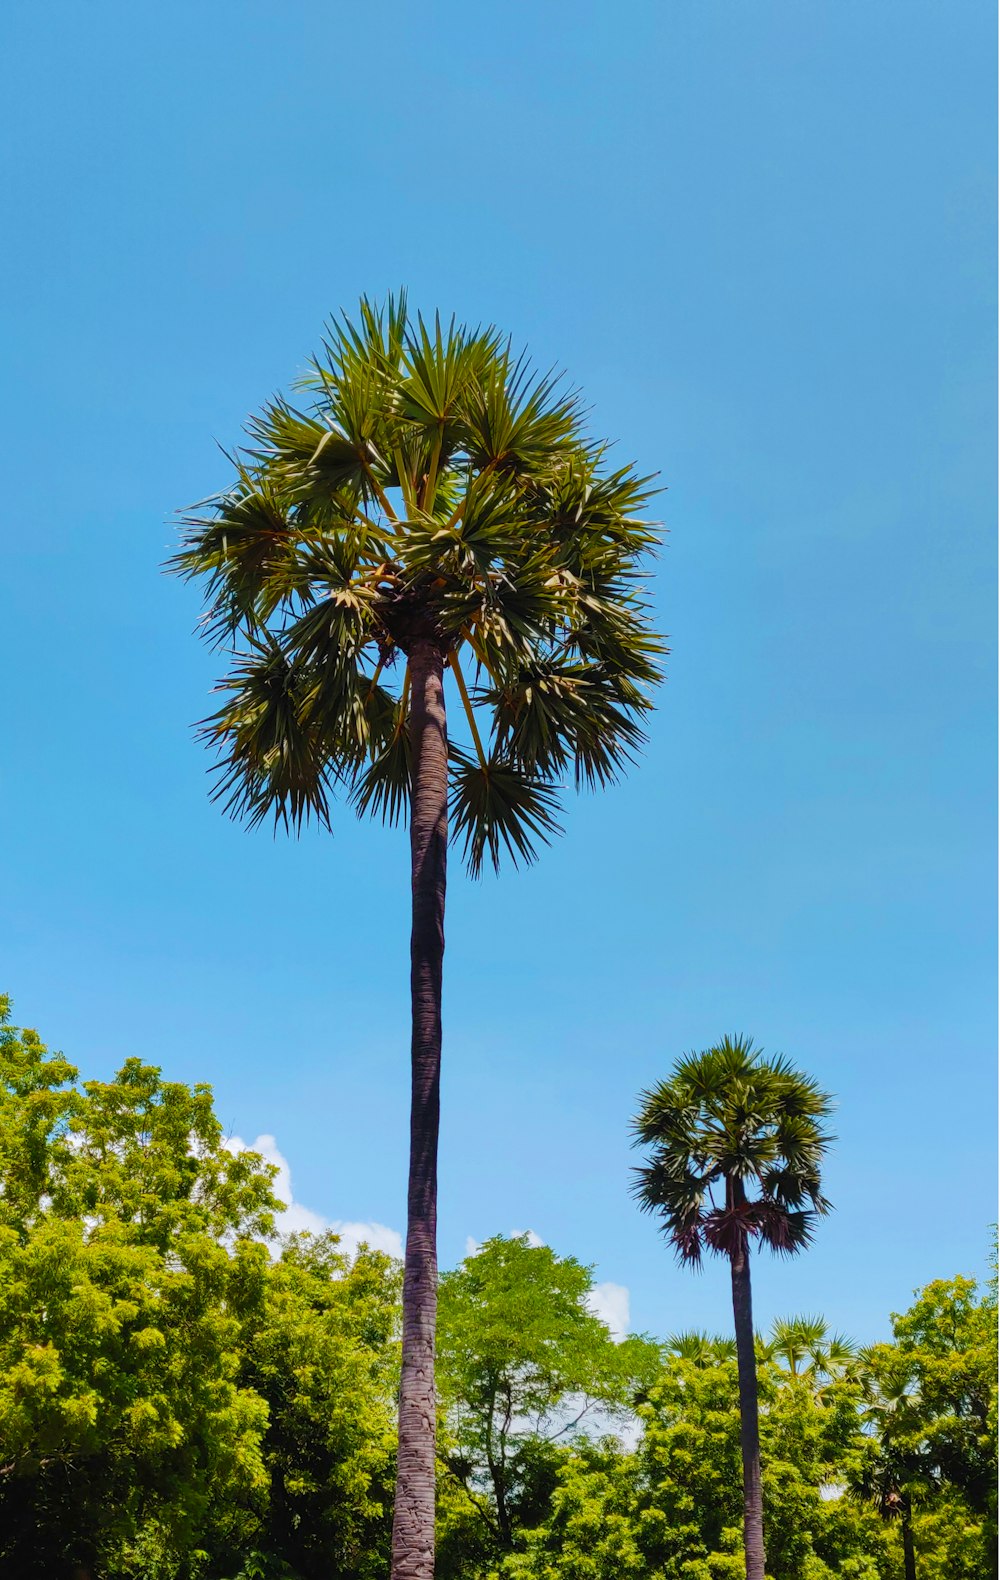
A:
x: 413, y: 1518
x: 753, y: 1502
x: 909, y: 1556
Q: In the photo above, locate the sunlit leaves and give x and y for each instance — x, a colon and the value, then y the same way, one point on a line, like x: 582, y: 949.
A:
x: 552, y: 713
x: 429, y: 479
x: 519, y: 423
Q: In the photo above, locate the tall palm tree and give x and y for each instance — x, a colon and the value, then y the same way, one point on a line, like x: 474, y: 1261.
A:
x: 436, y: 508
x: 736, y: 1141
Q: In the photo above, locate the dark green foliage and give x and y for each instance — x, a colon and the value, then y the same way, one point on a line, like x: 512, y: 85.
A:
x: 727, y: 1123
x: 931, y: 1413
x: 524, y: 1365
x: 321, y: 1351
x: 432, y: 486
x: 673, y: 1510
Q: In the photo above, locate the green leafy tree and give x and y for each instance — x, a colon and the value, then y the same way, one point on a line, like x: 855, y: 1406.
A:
x: 885, y: 1480
x: 931, y: 1409
x: 129, y: 1248
x: 438, y: 502
x: 524, y: 1365
x: 732, y: 1122
x: 672, y: 1510
x: 321, y: 1349
x: 176, y: 1403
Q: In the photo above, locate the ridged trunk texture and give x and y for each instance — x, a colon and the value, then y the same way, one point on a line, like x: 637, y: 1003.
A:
x: 413, y: 1519
x: 909, y: 1556
x: 746, y: 1360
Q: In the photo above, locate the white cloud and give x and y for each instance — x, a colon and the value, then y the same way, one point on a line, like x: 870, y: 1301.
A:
x: 610, y: 1302
x: 474, y: 1246
x: 375, y: 1235
x: 296, y: 1217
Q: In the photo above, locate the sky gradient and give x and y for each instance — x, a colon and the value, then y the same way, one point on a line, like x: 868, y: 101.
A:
x: 760, y: 239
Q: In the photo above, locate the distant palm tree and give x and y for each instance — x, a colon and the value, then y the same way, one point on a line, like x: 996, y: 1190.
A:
x: 731, y: 1121
x: 805, y: 1348
x: 437, y: 502
x: 703, y: 1349
x: 883, y: 1481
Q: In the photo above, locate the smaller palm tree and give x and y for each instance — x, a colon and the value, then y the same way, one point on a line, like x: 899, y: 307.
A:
x: 805, y: 1348
x: 895, y: 1467
x: 736, y: 1141
x: 883, y: 1481
x: 702, y: 1349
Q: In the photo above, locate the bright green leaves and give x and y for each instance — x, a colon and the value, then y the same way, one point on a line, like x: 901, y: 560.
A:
x: 40, y: 1084
x: 321, y: 1352
x: 932, y: 1393
x: 121, y: 1291
x: 436, y: 484
x: 441, y: 374
x: 519, y: 423
x: 725, y: 1123
x: 524, y: 1366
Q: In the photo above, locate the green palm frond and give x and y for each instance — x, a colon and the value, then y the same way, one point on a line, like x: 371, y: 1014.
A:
x: 520, y: 423
x: 551, y: 713
x: 425, y: 479
x: 273, y: 757
x: 701, y: 1348
x: 496, y: 806
x: 245, y: 550
x: 383, y: 788
x: 735, y: 1144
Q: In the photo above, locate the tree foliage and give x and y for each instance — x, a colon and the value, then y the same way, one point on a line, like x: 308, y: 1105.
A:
x: 735, y: 1141
x: 673, y: 1509
x: 170, y: 1399
x: 428, y: 485
x: 182, y: 1397
x: 524, y: 1365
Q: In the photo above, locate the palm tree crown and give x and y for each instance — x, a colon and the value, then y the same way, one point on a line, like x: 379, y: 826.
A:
x: 805, y: 1347
x: 736, y: 1141
x: 434, y: 489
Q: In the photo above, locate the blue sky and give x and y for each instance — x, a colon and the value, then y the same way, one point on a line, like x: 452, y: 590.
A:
x: 760, y: 238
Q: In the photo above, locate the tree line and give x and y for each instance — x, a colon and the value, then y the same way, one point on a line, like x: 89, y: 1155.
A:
x: 186, y: 1396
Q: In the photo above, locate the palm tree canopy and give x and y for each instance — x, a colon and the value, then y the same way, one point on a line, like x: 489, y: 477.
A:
x: 702, y: 1348
x: 432, y: 487
x: 805, y: 1346
x: 736, y: 1141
